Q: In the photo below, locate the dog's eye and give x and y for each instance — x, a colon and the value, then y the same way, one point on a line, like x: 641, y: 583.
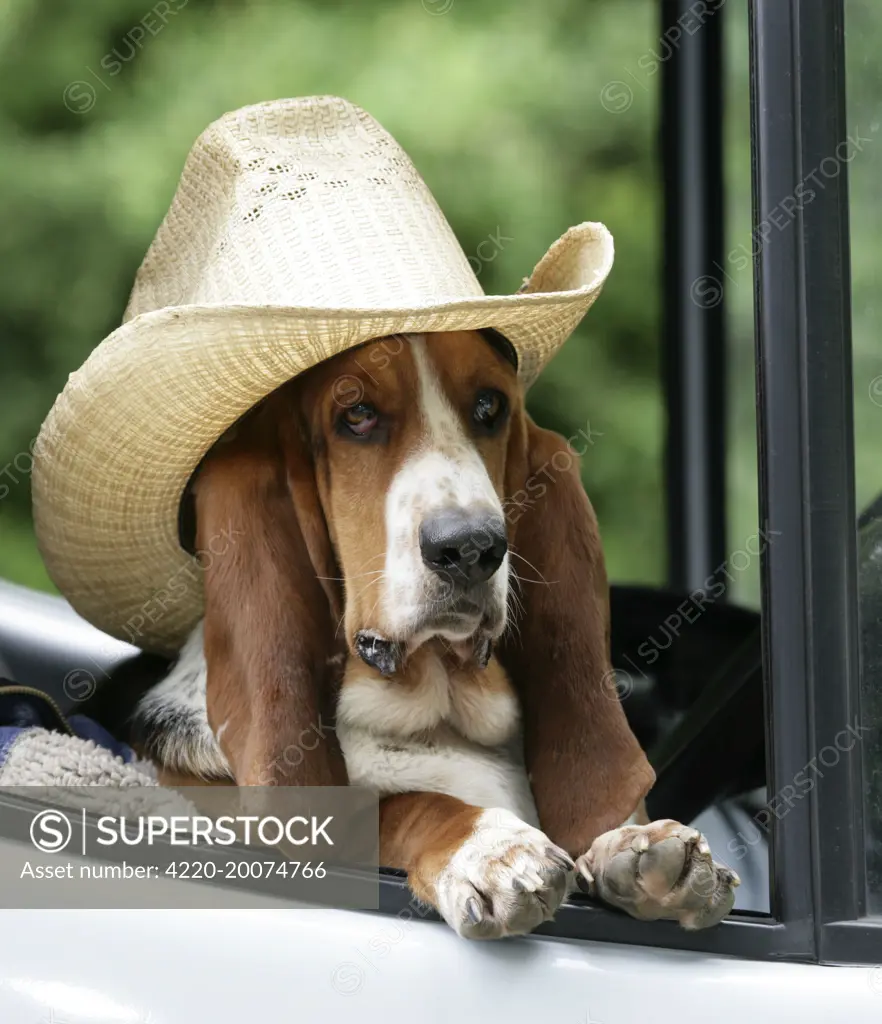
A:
x: 490, y: 408
x: 360, y: 419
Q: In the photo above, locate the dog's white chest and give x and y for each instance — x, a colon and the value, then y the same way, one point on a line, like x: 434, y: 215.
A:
x: 444, y: 730
x: 479, y: 706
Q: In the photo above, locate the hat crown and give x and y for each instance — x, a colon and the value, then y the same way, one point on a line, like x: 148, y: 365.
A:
x: 301, y: 203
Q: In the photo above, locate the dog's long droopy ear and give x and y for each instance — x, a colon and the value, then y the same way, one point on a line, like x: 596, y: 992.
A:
x: 587, y: 770
x: 270, y: 605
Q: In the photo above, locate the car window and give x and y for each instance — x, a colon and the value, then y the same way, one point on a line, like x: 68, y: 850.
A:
x: 864, y: 69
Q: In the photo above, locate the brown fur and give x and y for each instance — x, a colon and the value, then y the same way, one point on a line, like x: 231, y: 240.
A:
x: 420, y: 832
x: 310, y: 511
x: 269, y: 631
x: 587, y: 770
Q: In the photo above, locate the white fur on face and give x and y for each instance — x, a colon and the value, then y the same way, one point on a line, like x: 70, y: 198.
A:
x: 445, y: 471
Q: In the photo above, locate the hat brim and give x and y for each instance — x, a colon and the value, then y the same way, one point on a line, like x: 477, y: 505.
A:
x: 124, y: 437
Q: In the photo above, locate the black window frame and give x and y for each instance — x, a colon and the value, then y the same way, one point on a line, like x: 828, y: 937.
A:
x: 810, y: 593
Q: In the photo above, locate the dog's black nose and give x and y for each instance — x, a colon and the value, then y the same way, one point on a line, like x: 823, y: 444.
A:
x: 467, y: 548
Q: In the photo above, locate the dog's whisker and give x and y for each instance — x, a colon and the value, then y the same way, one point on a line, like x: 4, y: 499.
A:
x: 379, y: 574
x: 526, y: 579
x: 526, y: 561
x: 373, y: 607
x: 344, y: 579
x: 368, y: 561
x: 361, y: 592
x: 515, y: 611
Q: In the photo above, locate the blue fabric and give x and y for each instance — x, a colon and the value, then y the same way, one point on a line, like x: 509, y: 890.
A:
x: 86, y: 729
x: 19, y: 712
x: 8, y: 735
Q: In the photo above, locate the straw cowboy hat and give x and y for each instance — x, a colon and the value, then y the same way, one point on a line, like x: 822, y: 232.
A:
x: 299, y: 229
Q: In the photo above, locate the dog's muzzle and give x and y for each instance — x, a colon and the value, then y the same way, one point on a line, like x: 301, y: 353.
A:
x: 463, y: 550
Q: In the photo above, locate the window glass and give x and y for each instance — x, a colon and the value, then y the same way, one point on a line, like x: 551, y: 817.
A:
x: 737, y: 277
x: 692, y: 673
x: 864, y: 74
x: 745, y: 812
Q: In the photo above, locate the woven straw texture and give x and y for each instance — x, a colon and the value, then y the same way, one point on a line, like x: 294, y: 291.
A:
x: 299, y: 229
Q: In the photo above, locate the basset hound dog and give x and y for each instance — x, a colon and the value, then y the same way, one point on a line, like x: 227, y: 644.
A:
x: 417, y: 563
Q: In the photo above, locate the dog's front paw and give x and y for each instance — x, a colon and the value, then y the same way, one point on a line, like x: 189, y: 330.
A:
x: 506, y: 879
x: 663, y: 870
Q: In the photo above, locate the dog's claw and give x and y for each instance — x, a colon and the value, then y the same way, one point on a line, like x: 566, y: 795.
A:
x: 584, y: 878
x: 640, y: 843
x: 561, y: 858
x: 474, y: 910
